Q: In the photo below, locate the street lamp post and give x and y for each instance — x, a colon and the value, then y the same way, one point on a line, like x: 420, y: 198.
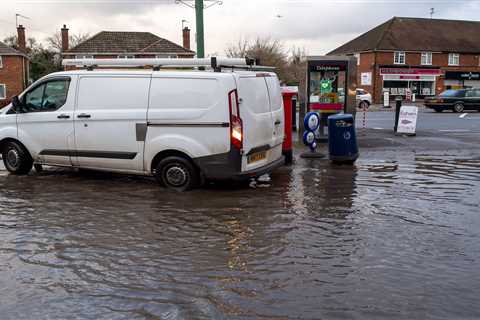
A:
x: 199, y: 6
x: 200, y: 34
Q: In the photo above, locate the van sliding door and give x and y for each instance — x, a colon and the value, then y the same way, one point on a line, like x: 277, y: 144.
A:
x: 110, y: 121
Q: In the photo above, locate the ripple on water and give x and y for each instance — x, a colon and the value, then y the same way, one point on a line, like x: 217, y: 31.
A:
x: 379, y: 239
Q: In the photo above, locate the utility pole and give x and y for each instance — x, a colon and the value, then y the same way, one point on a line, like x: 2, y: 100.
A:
x: 200, y: 33
x: 199, y: 7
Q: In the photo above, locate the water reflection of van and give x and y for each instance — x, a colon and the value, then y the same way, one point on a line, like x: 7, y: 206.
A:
x: 183, y: 127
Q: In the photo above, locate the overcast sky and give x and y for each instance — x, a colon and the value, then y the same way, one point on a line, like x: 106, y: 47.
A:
x: 317, y: 25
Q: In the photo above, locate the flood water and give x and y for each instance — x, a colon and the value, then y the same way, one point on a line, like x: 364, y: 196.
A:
x: 397, y: 239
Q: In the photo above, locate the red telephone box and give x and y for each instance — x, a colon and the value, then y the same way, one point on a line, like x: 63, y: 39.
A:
x: 287, y: 148
x: 331, y: 87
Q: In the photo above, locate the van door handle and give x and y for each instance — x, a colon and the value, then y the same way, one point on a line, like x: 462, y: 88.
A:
x: 84, y: 116
x: 63, y: 116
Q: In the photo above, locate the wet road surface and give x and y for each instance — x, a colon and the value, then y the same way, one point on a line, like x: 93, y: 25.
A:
x: 394, y: 237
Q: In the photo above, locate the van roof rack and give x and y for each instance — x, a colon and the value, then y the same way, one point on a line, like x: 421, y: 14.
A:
x: 216, y: 63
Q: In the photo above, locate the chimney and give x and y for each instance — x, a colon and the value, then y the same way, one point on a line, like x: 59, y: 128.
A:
x: 21, y: 42
x: 64, y: 38
x: 186, y: 38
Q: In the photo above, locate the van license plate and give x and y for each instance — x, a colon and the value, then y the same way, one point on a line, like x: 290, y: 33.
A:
x: 257, y: 157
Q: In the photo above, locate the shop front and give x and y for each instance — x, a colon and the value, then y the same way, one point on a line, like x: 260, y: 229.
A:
x: 421, y: 82
x: 461, y: 79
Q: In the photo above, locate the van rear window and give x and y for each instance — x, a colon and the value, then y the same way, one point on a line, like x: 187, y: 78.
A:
x: 275, y: 93
x: 254, y: 94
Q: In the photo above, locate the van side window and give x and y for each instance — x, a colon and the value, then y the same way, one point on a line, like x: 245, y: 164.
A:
x: 49, y: 96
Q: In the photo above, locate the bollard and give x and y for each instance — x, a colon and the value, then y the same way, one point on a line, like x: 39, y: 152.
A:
x: 398, y: 105
x: 364, y: 117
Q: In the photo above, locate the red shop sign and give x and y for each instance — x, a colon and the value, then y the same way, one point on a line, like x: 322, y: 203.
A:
x: 413, y: 71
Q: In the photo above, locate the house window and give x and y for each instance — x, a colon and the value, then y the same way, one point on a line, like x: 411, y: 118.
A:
x: 357, y: 55
x: 426, y: 58
x: 399, y: 57
x: 1, y: 62
x: 84, y: 56
x: 3, y: 91
x: 453, y: 59
x: 126, y: 56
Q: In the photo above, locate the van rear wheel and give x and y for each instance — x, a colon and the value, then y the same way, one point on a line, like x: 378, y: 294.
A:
x: 16, y: 158
x: 177, y: 173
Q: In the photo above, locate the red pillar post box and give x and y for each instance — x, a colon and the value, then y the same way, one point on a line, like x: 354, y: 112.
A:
x: 287, y: 149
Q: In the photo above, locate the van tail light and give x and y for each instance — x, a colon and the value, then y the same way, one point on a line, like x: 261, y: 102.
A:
x: 236, y: 125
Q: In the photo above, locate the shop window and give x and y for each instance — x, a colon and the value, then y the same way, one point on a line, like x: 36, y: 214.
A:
x: 454, y: 59
x: 1, y: 62
x: 399, y: 57
x: 426, y: 58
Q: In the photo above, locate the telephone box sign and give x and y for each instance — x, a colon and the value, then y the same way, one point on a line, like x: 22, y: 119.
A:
x: 327, y: 68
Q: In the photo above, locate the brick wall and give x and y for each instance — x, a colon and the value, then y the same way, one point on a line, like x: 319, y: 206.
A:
x: 12, y: 76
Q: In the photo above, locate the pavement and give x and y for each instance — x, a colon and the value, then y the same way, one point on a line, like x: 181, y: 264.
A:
x: 435, y: 132
x: 439, y: 132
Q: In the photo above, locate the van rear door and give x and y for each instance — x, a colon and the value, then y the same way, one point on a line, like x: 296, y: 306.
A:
x: 276, y: 107
x: 261, y: 127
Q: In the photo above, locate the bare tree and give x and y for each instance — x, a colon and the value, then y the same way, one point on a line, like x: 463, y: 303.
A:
x: 55, y: 41
x: 290, y: 65
x: 239, y: 49
x: 297, y: 70
x: 270, y: 53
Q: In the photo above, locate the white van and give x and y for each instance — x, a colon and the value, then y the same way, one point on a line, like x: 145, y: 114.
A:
x: 183, y: 127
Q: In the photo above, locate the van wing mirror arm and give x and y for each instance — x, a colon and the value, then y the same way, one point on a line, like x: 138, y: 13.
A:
x: 17, y: 104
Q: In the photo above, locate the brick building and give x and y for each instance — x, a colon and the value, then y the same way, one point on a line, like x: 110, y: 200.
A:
x: 14, y: 65
x: 427, y: 56
x: 119, y: 44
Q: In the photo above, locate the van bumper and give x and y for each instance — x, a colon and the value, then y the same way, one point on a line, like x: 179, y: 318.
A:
x: 227, y: 166
x: 246, y: 175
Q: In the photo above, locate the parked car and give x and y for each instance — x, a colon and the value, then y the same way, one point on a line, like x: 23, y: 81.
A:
x: 364, y: 99
x: 455, y: 100
x: 183, y: 127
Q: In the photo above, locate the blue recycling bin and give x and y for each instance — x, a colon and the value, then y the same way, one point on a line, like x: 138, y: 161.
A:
x: 342, y: 139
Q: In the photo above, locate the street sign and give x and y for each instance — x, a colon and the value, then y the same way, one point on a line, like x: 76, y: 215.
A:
x: 407, y: 122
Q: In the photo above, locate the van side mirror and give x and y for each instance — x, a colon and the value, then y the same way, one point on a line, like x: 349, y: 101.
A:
x: 17, y: 104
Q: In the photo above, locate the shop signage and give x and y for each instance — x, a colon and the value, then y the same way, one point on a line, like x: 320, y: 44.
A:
x: 412, y: 71
x: 408, y: 77
x: 462, y: 75
x: 407, y: 121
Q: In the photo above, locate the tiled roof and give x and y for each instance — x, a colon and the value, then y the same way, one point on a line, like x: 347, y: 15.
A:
x: 118, y: 42
x: 9, y: 51
x: 418, y: 34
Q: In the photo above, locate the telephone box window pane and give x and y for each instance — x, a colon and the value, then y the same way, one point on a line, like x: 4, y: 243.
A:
x: 327, y: 87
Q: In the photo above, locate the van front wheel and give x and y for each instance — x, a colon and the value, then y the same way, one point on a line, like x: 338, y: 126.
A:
x: 177, y: 173
x: 16, y: 158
